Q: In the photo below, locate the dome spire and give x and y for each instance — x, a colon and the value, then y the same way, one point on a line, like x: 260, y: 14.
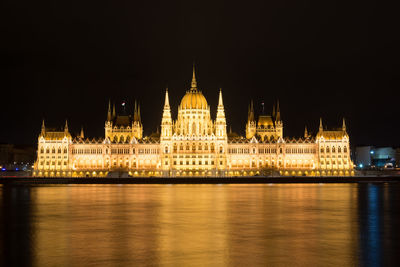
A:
x: 344, y: 125
x: 278, y: 112
x: 43, y: 128
x: 109, y: 111
x: 321, y: 128
x: 166, y: 102
x: 220, y: 103
x: 194, y: 83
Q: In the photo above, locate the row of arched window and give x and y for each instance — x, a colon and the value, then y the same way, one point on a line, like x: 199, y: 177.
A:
x: 333, y: 150
x: 53, y: 150
x: 121, y: 150
x: 81, y: 151
x: 300, y: 150
x: 238, y: 150
x: 192, y: 147
x: 333, y: 162
x: 149, y: 151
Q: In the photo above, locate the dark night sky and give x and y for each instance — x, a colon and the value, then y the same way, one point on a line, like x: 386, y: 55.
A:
x: 329, y: 59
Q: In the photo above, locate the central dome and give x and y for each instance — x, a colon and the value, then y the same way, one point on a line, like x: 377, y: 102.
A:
x: 194, y: 99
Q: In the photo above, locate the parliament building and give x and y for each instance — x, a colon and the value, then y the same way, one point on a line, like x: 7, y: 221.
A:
x: 193, y: 144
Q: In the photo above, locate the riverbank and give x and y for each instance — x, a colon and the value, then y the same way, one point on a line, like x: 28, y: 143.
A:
x: 198, y: 180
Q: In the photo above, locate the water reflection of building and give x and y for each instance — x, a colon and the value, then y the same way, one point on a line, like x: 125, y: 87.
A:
x: 294, y: 225
x: 378, y: 217
x: 193, y: 145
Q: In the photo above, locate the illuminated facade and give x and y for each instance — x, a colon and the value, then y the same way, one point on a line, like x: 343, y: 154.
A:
x: 193, y: 145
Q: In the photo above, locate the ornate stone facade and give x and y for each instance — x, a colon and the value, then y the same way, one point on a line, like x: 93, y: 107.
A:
x: 193, y: 145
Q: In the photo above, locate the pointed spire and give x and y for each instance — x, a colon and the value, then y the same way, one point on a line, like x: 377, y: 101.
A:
x: 113, y: 112
x: 194, y: 83
x: 273, y: 111
x: 66, y: 126
x: 82, y: 135
x: 321, y: 128
x: 43, y: 128
x: 230, y: 129
x: 251, y: 112
x: 135, y: 112
x: 344, y: 125
x: 305, y: 132
x: 138, y: 114
x: 220, y: 103
x: 278, y: 112
x: 166, y: 102
x: 109, y: 111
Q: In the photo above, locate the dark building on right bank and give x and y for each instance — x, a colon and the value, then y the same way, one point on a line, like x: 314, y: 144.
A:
x: 371, y: 157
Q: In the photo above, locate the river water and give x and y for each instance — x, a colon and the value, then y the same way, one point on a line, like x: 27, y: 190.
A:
x: 201, y: 225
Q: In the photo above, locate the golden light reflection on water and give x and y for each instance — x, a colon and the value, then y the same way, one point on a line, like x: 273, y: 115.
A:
x: 195, y: 225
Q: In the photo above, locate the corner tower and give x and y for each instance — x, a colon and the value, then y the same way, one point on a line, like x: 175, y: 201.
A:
x: 220, y: 122
x: 166, y: 122
x: 251, y: 122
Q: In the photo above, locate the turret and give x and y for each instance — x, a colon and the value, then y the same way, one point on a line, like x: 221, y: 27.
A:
x: 278, y: 121
x: 137, y: 127
x: 305, y: 132
x: 273, y: 111
x: 251, y: 122
x: 109, y: 111
x: 166, y: 121
x: 66, y: 126
x: 321, y: 128
x: 82, y: 134
x: 251, y: 116
x: 113, y: 112
x: 220, y: 123
x: 278, y: 112
x: 344, y: 125
x: 43, y: 131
